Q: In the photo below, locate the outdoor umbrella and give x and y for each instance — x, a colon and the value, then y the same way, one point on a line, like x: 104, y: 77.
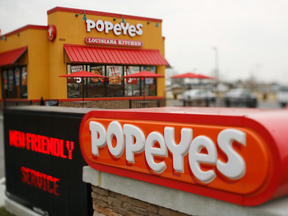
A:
x: 186, y: 75
x: 83, y: 74
x: 144, y: 74
x: 191, y: 75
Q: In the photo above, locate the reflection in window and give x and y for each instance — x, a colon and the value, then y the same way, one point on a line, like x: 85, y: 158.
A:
x: 150, y: 83
x: 75, y: 84
x: 17, y: 81
x: 5, y: 83
x: 24, y: 82
x: 132, y: 85
x: 96, y: 86
x: 115, y: 83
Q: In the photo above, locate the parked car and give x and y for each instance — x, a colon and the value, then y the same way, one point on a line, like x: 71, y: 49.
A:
x: 282, y: 96
x: 198, y: 94
x: 240, y: 97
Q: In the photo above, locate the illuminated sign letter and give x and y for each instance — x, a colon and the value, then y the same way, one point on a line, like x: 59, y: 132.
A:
x: 108, y: 26
x: 90, y: 24
x: 180, y: 150
x: 195, y: 158
x: 139, y: 30
x: 132, y: 132
x: 98, y: 136
x: 115, y: 129
x: 150, y: 151
x: 235, y: 167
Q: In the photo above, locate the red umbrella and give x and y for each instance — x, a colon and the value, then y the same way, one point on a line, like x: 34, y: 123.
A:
x: 143, y: 74
x: 191, y: 75
x: 83, y: 74
x: 186, y: 75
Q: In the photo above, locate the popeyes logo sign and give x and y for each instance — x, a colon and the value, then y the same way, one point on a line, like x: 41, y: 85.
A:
x: 231, y: 163
x: 117, y: 29
x: 52, y: 32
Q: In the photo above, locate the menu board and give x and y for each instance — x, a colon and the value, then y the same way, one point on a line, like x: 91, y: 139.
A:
x: 115, y: 75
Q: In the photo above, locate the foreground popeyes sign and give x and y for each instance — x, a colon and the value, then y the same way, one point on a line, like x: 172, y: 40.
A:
x: 228, y: 157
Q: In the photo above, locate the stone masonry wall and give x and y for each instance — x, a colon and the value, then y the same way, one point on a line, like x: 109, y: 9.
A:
x: 113, y: 104
x: 109, y: 203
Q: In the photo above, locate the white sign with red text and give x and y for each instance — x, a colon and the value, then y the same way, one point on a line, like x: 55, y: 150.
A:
x: 112, y: 42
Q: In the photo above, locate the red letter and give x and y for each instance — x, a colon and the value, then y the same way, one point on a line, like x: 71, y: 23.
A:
x: 70, y: 149
x: 33, y: 178
x: 25, y: 175
x: 43, y: 144
x: 48, y: 183
x: 28, y: 140
x: 34, y: 143
x: 39, y: 143
x: 56, y: 148
x: 44, y: 177
x: 55, y: 186
x: 50, y: 146
x: 39, y: 180
x: 12, y: 138
x: 22, y: 139
x: 62, y: 149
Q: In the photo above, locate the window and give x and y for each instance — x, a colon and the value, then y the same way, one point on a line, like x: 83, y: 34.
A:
x: 14, y: 82
x: 75, y: 84
x: 24, y: 82
x: 96, y: 86
x: 4, y: 84
x: 112, y: 86
x: 149, y: 87
x: 132, y: 85
x: 115, y: 83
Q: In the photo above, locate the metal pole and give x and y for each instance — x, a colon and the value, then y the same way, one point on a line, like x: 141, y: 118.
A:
x: 216, y: 64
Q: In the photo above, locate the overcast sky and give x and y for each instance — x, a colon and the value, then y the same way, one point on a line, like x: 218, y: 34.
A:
x: 250, y: 35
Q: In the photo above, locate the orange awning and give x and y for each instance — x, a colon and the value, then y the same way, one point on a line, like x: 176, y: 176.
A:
x: 107, y: 55
x: 10, y: 57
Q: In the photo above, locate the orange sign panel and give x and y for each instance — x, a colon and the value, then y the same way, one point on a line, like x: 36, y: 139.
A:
x: 228, y: 162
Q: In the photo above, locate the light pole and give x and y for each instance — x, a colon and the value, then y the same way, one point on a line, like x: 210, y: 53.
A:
x: 216, y: 67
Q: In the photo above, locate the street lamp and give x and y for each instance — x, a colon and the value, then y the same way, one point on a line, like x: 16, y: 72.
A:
x: 216, y: 63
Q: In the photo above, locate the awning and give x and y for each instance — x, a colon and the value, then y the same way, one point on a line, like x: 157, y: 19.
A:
x: 107, y: 55
x: 10, y: 57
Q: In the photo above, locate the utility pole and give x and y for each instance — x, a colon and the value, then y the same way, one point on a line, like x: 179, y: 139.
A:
x: 216, y: 67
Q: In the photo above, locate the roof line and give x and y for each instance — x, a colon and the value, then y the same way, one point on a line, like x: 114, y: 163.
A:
x: 99, y: 13
x: 40, y: 27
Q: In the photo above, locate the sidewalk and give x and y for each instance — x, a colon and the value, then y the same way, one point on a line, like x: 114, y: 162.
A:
x: 2, y: 192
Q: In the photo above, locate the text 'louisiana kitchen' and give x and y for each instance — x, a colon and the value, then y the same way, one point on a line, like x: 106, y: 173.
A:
x: 134, y: 142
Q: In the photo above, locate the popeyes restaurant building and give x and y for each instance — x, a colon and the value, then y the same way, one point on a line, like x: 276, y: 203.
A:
x: 33, y: 57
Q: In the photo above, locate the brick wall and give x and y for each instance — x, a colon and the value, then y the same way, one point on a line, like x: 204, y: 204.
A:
x: 106, y: 202
x: 113, y: 104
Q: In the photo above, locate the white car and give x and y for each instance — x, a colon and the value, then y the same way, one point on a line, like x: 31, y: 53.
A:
x: 198, y: 94
x: 282, y: 96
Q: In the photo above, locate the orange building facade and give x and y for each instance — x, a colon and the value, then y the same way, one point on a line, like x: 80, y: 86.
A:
x: 33, y: 57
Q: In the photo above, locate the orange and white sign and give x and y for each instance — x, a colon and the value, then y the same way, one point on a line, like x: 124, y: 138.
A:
x: 230, y: 159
